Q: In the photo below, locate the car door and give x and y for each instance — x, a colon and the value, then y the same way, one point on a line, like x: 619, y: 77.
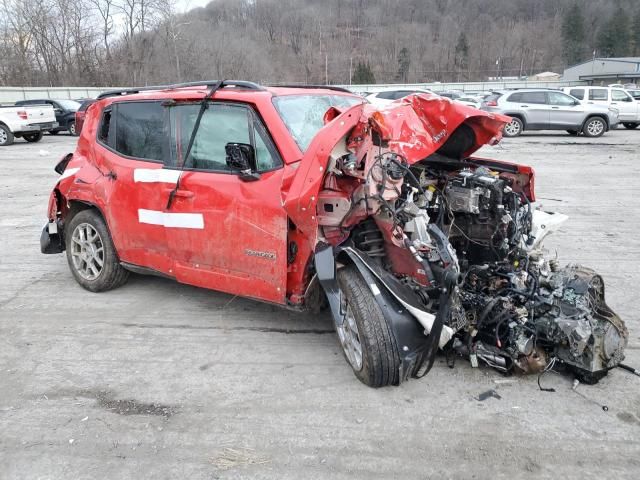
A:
x: 132, y: 144
x: 624, y: 103
x: 566, y: 112
x: 536, y: 109
x: 232, y: 233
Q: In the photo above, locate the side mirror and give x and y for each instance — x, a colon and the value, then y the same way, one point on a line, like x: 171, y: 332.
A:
x: 576, y: 103
x: 241, y: 157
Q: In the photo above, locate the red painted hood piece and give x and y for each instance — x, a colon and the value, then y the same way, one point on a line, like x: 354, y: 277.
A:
x: 415, y: 127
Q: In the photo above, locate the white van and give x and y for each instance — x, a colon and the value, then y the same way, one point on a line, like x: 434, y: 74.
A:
x: 618, y: 98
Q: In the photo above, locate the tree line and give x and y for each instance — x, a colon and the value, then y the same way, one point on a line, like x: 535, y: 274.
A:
x: 143, y: 42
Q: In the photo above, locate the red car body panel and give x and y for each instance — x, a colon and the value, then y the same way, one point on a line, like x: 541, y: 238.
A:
x: 243, y: 246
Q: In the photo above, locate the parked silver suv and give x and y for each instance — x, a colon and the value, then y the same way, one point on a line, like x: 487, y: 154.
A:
x: 543, y: 109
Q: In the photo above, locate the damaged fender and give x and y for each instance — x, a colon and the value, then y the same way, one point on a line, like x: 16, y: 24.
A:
x: 417, y: 333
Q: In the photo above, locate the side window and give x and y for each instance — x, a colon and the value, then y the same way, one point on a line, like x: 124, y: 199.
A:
x: 598, y: 94
x: 515, y: 97
x: 104, y: 132
x: 140, y: 131
x: 534, y: 97
x: 577, y: 92
x: 620, y: 96
x: 220, y: 124
x: 556, y: 98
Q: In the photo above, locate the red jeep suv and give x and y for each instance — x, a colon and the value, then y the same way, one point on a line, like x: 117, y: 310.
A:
x: 309, y: 196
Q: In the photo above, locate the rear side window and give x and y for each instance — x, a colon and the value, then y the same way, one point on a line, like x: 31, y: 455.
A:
x: 534, y: 97
x: 104, y: 132
x: 140, y: 131
x: 577, y: 92
x: 514, y: 97
x: 598, y: 94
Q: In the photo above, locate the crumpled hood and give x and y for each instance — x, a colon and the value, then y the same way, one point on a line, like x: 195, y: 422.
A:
x: 415, y: 127
x: 419, y: 125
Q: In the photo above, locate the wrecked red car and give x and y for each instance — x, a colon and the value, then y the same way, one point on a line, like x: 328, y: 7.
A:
x: 305, y: 197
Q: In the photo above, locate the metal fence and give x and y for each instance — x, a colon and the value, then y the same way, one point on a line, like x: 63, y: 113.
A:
x: 9, y: 95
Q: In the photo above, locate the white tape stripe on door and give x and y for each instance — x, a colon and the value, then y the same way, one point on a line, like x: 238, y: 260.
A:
x: 171, y: 220
x: 152, y: 175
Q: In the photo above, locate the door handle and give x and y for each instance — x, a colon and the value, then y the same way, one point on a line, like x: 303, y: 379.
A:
x: 524, y: 106
x: 179, y: 193
x: 614, y: 103
x: 555, y: 108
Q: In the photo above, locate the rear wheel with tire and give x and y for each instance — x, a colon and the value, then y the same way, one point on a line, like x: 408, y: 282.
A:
x: 630, y: 126
x: 33, y: 137
x: 365, y: 335
x: 6, y: 137
x: 91, y: 255
x: 72, y: 129
x: 514, y: 128
x: 594, y: 127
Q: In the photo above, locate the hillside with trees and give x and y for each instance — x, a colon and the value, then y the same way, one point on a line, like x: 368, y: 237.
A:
x: 138, y: 42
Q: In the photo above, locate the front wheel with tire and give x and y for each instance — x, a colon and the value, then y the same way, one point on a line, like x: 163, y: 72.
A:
x: 6, y: 137
x: 33, y: 137
x: 630, y: 126
x: 514, y: 128
x: 365, y: 335
x: 91, y: 255
x: 72, y: 129
x: 594, y: 127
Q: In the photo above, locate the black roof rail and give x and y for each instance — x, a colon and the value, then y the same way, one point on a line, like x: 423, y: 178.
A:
x: 325, y: 87
x: 204, y: 83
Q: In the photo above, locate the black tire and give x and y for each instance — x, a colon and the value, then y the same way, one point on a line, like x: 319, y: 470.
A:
x: 112, y: 274
x: 6, y: 137
x: 514, y: 128
x: 72, y: 129
x: 33, y: 137
x: 572, y: 132
x: 54, y: 132
x: 594, y: 127
x: 630, y: 126
x: 380, y: 356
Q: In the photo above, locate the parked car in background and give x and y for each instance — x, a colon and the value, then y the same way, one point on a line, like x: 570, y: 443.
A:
x: 387, y: 96
x: 474, y: 102
x: 451, y: 95
x: 64, y: 109
x: 543, y: 109
x: 635, y: 93
x: 81, y: 113
x: 28, y: 122
x: 618, y: 98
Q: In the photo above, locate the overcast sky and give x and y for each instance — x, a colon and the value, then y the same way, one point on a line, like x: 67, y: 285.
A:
x: 184, y: 5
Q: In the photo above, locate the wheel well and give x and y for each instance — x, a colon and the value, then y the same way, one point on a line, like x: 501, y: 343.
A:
x: 77, y: 206
x: 519, y: 117
x: 596, y: 115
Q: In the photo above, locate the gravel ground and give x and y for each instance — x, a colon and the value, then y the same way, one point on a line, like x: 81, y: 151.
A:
x: 161, y: 380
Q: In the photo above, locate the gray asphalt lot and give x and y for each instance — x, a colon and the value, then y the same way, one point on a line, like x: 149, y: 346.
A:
x: 162, y: 380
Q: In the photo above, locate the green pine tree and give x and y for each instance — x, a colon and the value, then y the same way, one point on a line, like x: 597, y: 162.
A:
x: 573, y: 35
x: 363, y: 74
x: 404, y: 60
x: 461, y: 61
x: 614, y: 37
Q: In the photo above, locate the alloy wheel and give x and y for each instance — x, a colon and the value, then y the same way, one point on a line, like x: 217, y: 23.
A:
x: 87, y: 251
x: 513, y: 128
x: 595, y: 127
x: 350, y: 339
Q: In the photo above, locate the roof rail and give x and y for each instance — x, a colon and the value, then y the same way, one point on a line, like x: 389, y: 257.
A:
x: 203, y: 83
x: 326, y: 87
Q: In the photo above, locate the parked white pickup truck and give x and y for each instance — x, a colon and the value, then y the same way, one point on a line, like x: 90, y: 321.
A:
x: 28, y: 122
